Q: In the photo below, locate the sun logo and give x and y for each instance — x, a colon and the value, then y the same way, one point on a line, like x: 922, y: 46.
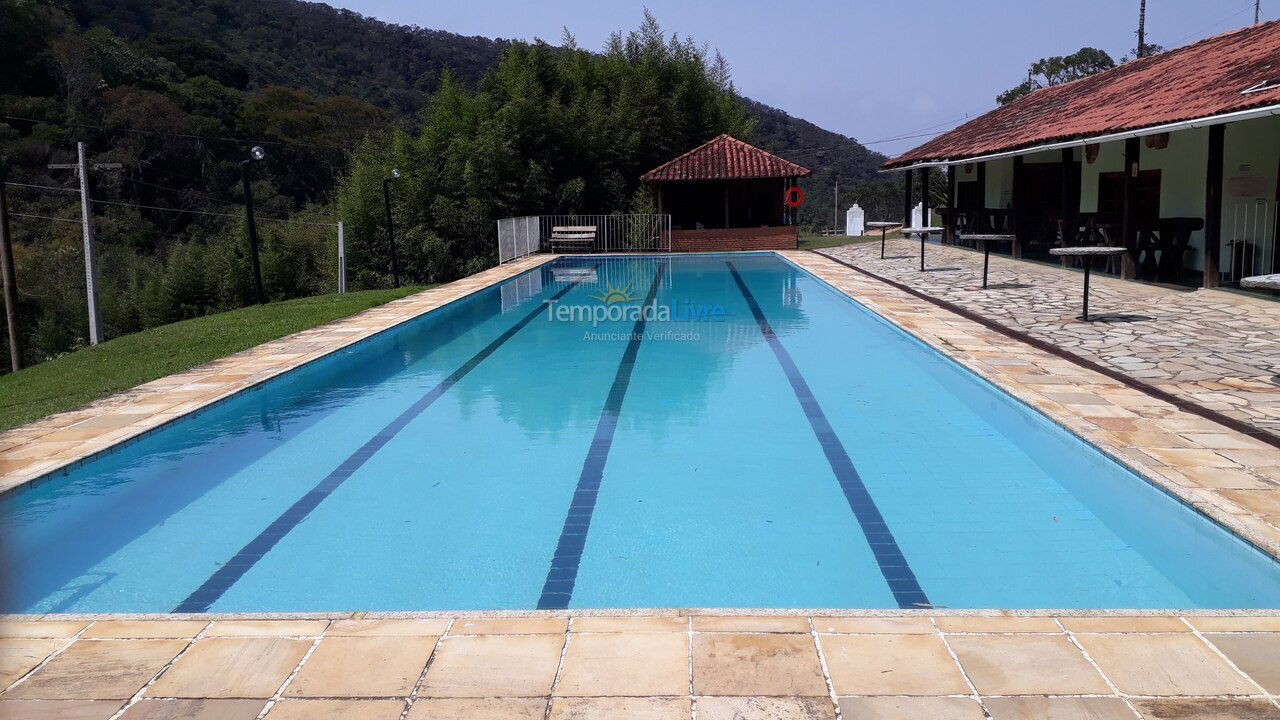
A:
x: 611, y: 295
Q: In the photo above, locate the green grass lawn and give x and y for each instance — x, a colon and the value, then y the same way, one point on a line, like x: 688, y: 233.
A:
x: 79, y: 377
x: 818, y: 242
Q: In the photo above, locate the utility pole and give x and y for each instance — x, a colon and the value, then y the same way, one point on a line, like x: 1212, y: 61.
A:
x: 10, y: 283
x: 1142, y: 28
x: 82, y: 168
x: 1257, y: 11
x: 835, y: 209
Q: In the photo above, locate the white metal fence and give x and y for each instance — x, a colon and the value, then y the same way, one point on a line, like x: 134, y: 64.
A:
x: 1249, y: 240
x: 517, y: 237
x: 636, y: 232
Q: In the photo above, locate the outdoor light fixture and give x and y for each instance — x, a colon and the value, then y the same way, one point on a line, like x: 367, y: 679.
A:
x: 256, y: 154
x: 391, y: 230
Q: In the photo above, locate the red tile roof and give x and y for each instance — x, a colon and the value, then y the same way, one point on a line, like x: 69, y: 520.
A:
x: 725, y: 158
x: 1196, y: 81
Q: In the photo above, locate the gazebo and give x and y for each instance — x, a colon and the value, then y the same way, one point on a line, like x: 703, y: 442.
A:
x: 727, y: 195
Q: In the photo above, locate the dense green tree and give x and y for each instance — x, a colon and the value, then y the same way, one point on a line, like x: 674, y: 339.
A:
x: 1050, y: 71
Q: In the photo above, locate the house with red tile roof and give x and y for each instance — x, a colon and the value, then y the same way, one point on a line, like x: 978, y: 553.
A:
x: 1175, y: 157
x: 728, y: 195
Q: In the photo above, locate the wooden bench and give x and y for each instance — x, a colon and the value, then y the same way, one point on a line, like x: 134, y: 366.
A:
x: 573, y: 236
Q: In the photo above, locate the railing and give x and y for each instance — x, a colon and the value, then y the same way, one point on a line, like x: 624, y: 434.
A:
x: 518, y: 237
x: 1248, y: 240
x: 637, y: 232
x: 618, y: 233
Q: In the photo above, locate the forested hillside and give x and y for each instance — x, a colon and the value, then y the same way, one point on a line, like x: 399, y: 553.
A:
x: 177, y: 91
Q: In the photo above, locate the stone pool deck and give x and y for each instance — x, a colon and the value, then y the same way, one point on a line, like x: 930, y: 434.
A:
x: 672, y: 667
x: 707, y: 665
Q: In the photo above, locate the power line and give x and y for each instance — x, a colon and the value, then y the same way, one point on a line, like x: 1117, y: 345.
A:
x: 206, y: 212
x: 43, y: 217
x: 185, y: 136
x: 1188, y: 36
x: 41, y: 187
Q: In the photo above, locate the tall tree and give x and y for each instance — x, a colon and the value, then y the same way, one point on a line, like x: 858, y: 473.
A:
x: 1050, y: 71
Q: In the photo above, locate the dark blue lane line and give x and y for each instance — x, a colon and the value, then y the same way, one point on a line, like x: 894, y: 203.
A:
x: 227, y: 575
x: 893, y: 564
x: 557, y: 591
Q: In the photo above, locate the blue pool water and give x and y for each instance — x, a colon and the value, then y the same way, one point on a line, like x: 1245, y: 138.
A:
x: 755, y: 440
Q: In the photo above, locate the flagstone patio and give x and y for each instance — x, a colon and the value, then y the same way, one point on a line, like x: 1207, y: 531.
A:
x: 1220, y: 349
x: 708, y: 667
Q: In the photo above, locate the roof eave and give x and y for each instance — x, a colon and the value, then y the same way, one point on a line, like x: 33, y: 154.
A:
x: 1203, y: 121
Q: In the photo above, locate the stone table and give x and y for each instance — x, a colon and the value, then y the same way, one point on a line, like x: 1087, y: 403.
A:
x: 1087, y: 253
x: 986, y: 240
x: 923, y: 232
x: 884, y: 230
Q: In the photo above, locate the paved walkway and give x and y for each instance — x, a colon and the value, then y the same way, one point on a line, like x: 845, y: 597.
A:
x: 1217, y: 348
x: 645, y: 668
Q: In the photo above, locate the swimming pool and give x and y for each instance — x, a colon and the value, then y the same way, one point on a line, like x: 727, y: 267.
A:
x: 714, y: 431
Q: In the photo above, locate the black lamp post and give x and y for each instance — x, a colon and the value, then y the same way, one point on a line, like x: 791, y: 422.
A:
x: 255, y: 155
x: 391, y: 228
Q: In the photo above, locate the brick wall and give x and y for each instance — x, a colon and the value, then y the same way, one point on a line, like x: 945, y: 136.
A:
x: 759, y: 238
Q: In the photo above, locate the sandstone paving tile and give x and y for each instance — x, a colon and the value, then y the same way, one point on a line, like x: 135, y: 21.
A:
x: 911, y: 708
x: 363, y: 667
x: 98, y: 670
x: 1239, y: 623
x: 630, y: 624
x: 251, y: 667
x: 266, y: 628
x: 613, y: 708
x: 1261, y: 502
x: 478, y: 709
x: 1107, y: 624
x: 509, y: 626
x: 1206, y: 709
x: 1255, y: 654
x: 118, y: 629
x: 876, y: 625
x: 1026, y: 665
x: 1058, y: 708
x: 389, y: 627
x: 756, y: 664
x: 494, y: 666
x: 1164, y: 665
x: 891, y: 665
x: 765, y: 708
x: 294, y: 709
x: 997, y: 624
x: 637, y: 663
x: 147, y: 709
x: 19, y: 655
x: 744, y: 623
x: 58, y: 709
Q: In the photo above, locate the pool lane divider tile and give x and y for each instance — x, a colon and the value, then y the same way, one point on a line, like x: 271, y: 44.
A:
x: 224, y: 577
x: 557, y: 591
x: 893, y: 564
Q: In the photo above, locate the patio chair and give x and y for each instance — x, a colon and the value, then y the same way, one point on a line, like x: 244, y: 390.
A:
x: 576, y: 237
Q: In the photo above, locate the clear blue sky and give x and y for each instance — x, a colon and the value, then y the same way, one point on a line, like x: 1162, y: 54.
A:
x: 871, y: 70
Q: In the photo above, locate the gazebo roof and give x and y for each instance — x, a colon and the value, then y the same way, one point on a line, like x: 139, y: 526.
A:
x: 1219, y: 75
x: 725, y: 158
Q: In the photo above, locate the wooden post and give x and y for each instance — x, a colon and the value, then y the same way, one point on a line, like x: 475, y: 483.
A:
x: 10, y: 283
x: 979, y: 224
x: 1015, y: 199
x: 1129, y: 227
x: 906, y: 199
x: 726, y: 204
x: 1213, y: 207
x: 924, y: 197
x: 1069, y: 213
x: 950, y: 234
